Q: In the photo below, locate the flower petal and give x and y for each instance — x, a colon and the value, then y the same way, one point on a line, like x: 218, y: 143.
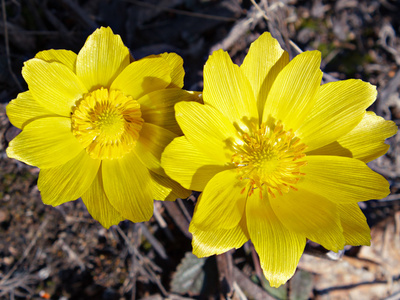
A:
x: 165, y: 188
x: 176, y: 66
x: 158, y: 107
x: 143, y: 76
x: 69, y: 181
x: 262, y: 64
x: 292, y: 95
x: 127, y: 184
x: 342, y: 179
x: 65, y: 57
x: 365, y: 142
x: 98, y: 205
x: 227, y: 89
x: 207, y: 243
x: 25, y: 109
x: 185, y: 163
x: 339, y: 108
x: 207, y: 129
x: 355, y: 228
x: 311, y: 215
x: 45, y: 143
x: 279, y: 248
x: 151, y: 143
x: 53, y: 85
x: 101, y: 59
x: 222, y: 203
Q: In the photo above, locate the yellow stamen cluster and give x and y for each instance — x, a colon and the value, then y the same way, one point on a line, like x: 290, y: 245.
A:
x: 271, y: 159
x: 107, y: 123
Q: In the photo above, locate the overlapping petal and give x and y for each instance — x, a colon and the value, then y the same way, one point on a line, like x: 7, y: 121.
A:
x: 270, y: 59
x: 53, y: 85
x: 25, y: 109
x: 189, y: 166
x: 222, y: 203
x: 127, y: 184
x: 68, y: 181
x: 339, y: 108
x: 164, y: 188
x: 65, y: 57
x: 45, y: 143
x: 176, y: 67
x: 227, y: 89
x: 342, y: 179
x: 292, y: 95
x: 98, y: 205
x: 355, y: 228
x: 101, y: 59
x: 278, y: 247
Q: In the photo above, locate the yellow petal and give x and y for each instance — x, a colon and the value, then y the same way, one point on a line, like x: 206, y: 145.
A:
x: 311, y: 215
x: 25, y: 109
x: 165, y: 188
x: 177, y: 71
x: 262, y: 64
x: 207, y: 243
x: 279, y: 248
x: 365, y: 142
x: 189, y: 166
x: 127, y: 184
x: 222, y: 203
x: 98, y: 205
x: 143, y: 76
x: 45, y: 143
x: 65, y: 57
x: 355, y: 228
x: 152, y: 142
x: 227, y: 89
x: 207, y: 129
x: 339, y: 108
x: 101, y: 59
x: 158, y: 107
x: 292, y: 95
x: 53, y: 85
x: 342, y: 179
x: 69, y: 181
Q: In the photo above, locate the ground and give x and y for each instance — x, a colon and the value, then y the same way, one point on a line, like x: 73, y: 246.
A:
x: 62, y: 253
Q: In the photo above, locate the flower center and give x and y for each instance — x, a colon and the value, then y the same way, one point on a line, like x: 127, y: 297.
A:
x: 107, y: 123
x: 271, y: 159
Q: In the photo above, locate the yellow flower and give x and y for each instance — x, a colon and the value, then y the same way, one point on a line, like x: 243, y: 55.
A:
x: 96, y: 123
x: 280, y: 158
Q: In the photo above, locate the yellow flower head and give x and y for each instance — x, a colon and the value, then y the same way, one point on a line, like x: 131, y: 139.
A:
x: 279, y: 157
x: 96, y: 123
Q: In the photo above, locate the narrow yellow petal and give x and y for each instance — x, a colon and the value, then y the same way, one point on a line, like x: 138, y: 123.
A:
x: 365, y: 142
x: 65, y: 57
x: 227, y: 89
x: 158, y: 107
x: 165, y: 188
x: 262, y: 64
x: 292, y: 95
x: 342, y: 179
x: 176, y: 66
x: 207, y: 243
x: 192, y: 168
x: 53, y: 85
x: 127, y: 184
x: 151, y: 144
x: 279, y: 248
x: 69, y: 181
x: 311, y: 215
x: 45, y: 143
x: 101, y: 59
x: 25, y: 109
x: 98, y: 205
x: 143, y: 76
x: 339, y: 108
x: 207, y: 129
x: 355, y: 228
x: 222, y: 203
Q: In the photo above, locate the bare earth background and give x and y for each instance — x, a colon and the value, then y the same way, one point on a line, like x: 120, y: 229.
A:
x: 62, y: 253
